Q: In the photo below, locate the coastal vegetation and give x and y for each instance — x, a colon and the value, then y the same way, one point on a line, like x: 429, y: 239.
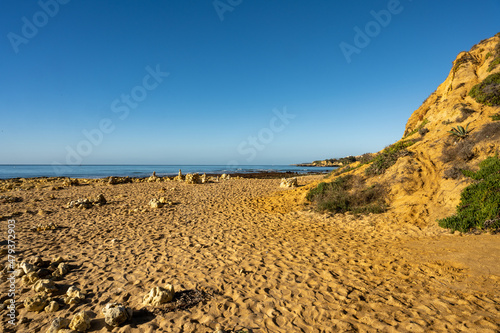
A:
x: 488, y: 91
x: 388, y: 157
x: 479, y: 202
x: 460, y: 132
x: 456, y: 154
x: 349, y: 193
x: 420, y: 129
x: 495, y: 117
x: 494, y: 64
x: 336, y: 161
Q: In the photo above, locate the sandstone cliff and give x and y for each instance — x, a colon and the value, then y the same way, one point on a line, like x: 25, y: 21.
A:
x: 424, y: 184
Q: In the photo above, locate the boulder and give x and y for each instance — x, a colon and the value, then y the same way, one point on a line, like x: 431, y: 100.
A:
x: 45, y: 285
x: 18, y: 273
x: 225, y: 176
x: 36, y: 261
x: 193, y: 178
x: 57, y: 260
x: 179, y: 177
x: 155, y: 203
x: 204, y: 178
x: 36, y: 303
x: 29, y: 279
x: 80, y: 322
x: 61, y: 270
x: 100, y: 200
x: 289, y: 182
x: 27, y: 267
x: 116, y: 314
x: 57, y: 324
x: 159, y: 295
x: 52, y: 307
x: 70, y: 182
x: 74, y: 295
x: 43, y: 227
x: 80, y: 203
x: 153, y: 178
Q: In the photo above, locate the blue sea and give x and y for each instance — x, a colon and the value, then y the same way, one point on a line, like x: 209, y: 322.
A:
x: 102, y: 171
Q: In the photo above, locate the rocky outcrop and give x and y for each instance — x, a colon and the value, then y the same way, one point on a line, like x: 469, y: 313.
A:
x: 45, y: 285
x: 118, y: 180
x: 71, y: 182
x: 155, y: 203
x: 36, y: 303
x: 27, y: 267
x: 80, y: 322
x: 424, y: 182
x: 288, y: 182
x: 159, y: 203
x: 159, y: 295
x: 204, y: 178
x: 52, y: 307
x: 179, y: 176
x: 193, y: 178
x: 115, y: 314
x: 29, y: 279
x: 57, y: 324
x: 74, y: 295
x: 153, y: 178
x: 43, y: 227
x: 61, y: 270
x: 100, y: 200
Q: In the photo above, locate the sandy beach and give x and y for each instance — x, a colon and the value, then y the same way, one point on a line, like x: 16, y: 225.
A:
x: 252, y: 266
x: 340, y: 166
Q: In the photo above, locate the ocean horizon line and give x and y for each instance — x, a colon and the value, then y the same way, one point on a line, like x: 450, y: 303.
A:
x: 119, y: 164
x: 10, y: 171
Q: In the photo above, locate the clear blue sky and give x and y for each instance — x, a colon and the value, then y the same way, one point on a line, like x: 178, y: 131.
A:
x: 69, y: 68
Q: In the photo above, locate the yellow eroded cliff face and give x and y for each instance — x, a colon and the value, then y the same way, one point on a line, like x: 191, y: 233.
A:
x: 425, y: 183
x: 469, y: 69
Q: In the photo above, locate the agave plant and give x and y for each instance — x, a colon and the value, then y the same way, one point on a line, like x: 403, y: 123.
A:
x: 460, y: 132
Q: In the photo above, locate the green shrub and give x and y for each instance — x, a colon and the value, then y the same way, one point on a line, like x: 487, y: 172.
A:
x: 494, y: 64
x: 342, y: 170
x: 419, y: 127
x: 489, y: 54
x: 388, y: 157
x: 488, y: 91
x: 479, y: 205
x: 495, y: 117
x: 348, y: 194
x: 366, y: 158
